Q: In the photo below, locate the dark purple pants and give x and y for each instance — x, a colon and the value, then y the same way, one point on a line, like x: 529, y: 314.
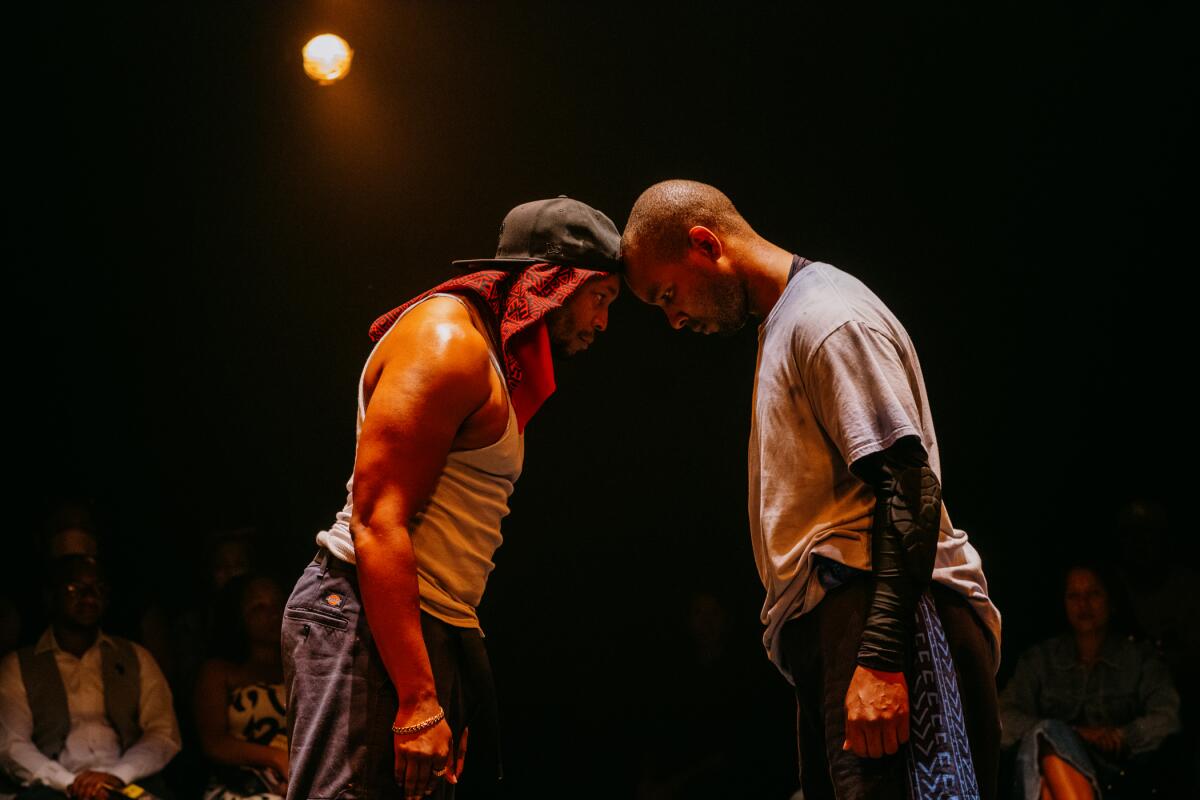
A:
x: 821, y: 648
x: 341, y: 702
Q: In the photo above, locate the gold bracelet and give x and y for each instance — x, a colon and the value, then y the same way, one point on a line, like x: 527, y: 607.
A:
x: 420, y: 726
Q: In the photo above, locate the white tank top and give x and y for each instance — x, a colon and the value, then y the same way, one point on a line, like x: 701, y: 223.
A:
x: 456, y: 535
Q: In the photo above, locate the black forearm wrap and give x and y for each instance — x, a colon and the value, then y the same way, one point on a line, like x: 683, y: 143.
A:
x: 889, y: 627
x: 904, y: 534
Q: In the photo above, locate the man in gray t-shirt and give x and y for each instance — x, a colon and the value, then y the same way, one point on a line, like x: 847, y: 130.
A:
x: 846, y: 519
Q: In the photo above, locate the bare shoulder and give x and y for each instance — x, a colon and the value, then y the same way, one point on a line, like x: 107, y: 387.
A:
x: 437, y: 345
x: 439, y: 325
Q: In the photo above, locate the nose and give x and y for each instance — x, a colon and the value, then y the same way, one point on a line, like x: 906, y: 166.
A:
x: 677, y: 319
x: 600, y: 323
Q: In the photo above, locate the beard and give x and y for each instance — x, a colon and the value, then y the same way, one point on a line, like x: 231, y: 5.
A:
x: 726, y: 305
x: 559, y: 329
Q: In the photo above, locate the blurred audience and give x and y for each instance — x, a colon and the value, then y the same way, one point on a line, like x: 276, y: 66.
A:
x: 239, y: 700
x: 1089, y: 713
x: 81, y: 711
x: 75, y: 540
x: 228, y: 554
x: 70, y: 529
x: 1088, y: 709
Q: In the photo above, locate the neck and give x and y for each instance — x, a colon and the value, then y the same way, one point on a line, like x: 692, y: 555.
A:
x: 1089, y: 643
x: 75, y: 639
x: 764, y: 267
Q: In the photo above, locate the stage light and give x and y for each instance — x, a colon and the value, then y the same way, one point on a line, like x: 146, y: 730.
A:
x: 327, y: 58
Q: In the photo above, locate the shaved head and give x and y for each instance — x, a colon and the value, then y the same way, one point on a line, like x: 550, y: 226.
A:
x: 658, y: 225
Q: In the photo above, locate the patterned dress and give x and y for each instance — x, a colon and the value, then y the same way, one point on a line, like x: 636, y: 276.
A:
x: 256, y: 714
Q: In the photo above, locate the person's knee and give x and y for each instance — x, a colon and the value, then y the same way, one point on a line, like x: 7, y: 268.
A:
x: 1051, y: 761
x: 1037, y: 740
x: 1049, y: 729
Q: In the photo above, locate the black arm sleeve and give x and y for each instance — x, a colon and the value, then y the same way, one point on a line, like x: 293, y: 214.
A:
x: 904, y: 535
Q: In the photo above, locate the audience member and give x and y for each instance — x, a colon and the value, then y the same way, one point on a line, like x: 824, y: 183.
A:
x: 1089, y: 706
x: 228, y: 554
x: 69, y: 530
x: 239, y: 699
x: 81, y: 711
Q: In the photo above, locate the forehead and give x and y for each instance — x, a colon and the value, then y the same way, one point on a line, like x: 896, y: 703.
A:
x: 645, y: 276
x: 1082, y: 580
x: 610, y: 283
x: 81, y: 572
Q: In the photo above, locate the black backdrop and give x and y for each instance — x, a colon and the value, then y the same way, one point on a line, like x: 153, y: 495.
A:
x: 203, y: 234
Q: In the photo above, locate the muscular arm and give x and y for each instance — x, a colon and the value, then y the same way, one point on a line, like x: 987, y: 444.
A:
x: 426, y: 380
x: 904, y: 534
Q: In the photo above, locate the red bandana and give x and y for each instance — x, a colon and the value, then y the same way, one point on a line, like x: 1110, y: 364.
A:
x: 520, y: 300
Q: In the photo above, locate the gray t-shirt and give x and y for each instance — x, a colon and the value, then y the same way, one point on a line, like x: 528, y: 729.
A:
x: 837, y: 379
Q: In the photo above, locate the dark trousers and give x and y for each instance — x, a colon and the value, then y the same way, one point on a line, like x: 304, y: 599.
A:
x: 821, y: 648
x: 341, y: 703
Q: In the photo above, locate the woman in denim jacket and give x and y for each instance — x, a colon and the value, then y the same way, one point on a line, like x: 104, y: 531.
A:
x: 1083, y: 705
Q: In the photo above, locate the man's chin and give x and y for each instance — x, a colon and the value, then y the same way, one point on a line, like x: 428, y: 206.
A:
x: 560, y: 351
x: 728, y: 328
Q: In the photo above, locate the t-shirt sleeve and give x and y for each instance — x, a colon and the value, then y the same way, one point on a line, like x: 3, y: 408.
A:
x: 861, y: 391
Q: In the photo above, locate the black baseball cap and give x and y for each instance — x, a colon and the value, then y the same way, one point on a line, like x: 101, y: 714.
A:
x: 556, y: 231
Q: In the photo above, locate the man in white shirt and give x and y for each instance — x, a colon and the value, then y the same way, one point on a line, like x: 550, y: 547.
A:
x: 82, y: 712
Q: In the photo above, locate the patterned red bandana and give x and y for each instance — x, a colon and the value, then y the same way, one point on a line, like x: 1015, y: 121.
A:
x: 520, y: 300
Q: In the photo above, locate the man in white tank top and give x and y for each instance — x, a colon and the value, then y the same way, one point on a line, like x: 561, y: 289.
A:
x: 384, y: 660
x: 865, y: 574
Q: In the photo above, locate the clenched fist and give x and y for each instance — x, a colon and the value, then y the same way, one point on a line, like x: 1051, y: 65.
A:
x: 876, y: 712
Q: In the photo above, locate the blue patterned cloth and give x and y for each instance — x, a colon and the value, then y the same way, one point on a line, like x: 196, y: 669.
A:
x: 938, y: 753
x: 939, y: 756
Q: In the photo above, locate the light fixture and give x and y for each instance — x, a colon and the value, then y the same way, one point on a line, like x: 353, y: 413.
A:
x: 327, y: 58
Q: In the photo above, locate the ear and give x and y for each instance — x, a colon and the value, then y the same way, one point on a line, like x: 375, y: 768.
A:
x: 704, y: 241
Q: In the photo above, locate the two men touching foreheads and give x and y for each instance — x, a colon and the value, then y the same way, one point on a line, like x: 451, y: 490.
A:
x: 876, y: 606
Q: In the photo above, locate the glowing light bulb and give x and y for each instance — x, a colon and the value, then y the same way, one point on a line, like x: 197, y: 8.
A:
x: 327, y: 58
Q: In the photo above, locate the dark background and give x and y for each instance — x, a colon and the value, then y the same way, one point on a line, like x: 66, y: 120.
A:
x: 202, y: 236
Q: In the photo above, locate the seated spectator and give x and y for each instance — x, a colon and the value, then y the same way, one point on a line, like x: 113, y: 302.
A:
x: 230, y: 554
x: 82, y: 712
x: 227, y: 555
x: 1087, y: 706
x: 240, y: 713
x: 69, y: 531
